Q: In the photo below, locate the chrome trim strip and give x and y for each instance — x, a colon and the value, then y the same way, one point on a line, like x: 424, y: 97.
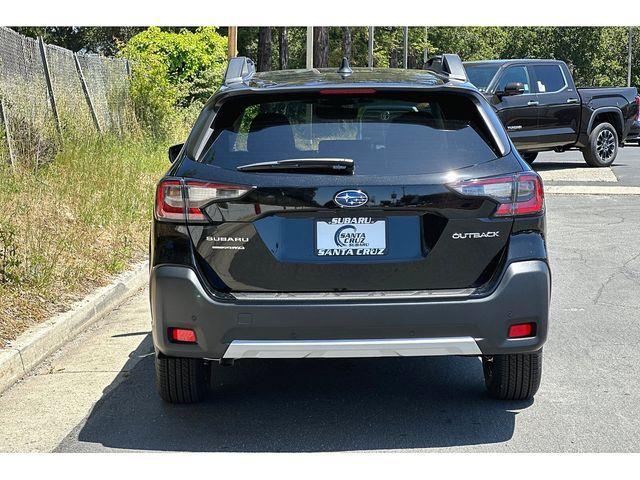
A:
x: 386, y: 295
x: 401, y: 347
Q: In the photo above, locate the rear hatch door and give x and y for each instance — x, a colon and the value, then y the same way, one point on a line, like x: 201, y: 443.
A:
x: 389, y: 223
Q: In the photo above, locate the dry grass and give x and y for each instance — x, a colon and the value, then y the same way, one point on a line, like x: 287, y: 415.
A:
x: 72, y: 224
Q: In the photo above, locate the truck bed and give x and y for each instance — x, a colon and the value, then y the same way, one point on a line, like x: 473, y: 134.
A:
x: 602, y: 96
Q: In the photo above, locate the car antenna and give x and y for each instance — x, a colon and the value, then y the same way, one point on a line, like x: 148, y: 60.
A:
x: 345, y: 69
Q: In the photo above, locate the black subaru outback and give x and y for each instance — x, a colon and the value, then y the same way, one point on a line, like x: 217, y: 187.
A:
x: 350, y: 213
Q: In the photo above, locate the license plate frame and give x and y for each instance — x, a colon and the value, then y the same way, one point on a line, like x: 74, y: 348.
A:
x: 362, y: 237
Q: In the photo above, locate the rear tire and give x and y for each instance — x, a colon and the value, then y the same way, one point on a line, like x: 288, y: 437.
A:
x: 181, y: 380
x: 513, y: 376
x: 602, y: 148
x: 529, y: 157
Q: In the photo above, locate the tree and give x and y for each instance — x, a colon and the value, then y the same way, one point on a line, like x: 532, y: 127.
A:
x: 598, y: 55
x: 103, y: 40
x: 471, y: 43
x: 264, y: 49
x: 320, y: 47
x: 384, y: 47
x: 283, y: 48
x: 346, y: 42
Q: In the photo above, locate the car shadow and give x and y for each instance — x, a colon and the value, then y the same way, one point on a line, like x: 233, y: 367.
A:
x: 306, y: 406
x: 547, y: 165
x: 568, y: 165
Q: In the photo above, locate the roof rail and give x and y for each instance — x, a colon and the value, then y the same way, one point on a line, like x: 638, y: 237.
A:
x: 448, y: 64
x: 239, y: 69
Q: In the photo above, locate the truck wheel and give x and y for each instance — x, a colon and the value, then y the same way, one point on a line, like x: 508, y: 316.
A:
x: 513, y: 376
x: 603, y: 146
x: 181, y: 380
x: 529, y: 157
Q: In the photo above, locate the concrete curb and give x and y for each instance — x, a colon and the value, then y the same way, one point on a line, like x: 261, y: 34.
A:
x: 33, y: 346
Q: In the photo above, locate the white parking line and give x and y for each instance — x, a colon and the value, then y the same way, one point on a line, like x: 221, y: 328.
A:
x: 590, y: 190
x: 577, y: 174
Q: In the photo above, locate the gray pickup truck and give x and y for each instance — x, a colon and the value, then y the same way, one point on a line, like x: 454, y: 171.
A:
x: 542, y: 109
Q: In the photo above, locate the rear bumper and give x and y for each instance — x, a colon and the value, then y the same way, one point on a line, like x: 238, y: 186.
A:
x: 350, y: 327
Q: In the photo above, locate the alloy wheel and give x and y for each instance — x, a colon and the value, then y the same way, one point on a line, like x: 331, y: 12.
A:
x: 605, y: 145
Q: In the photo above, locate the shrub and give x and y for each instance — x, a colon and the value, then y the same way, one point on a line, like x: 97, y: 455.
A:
x: 168, y: 71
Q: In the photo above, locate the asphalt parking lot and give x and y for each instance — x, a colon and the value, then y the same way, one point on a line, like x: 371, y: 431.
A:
x: 569, y: 168
x: 97, y: 393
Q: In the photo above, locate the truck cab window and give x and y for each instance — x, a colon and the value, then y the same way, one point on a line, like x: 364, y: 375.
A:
x: 549, y: 78
x: 515, y: 74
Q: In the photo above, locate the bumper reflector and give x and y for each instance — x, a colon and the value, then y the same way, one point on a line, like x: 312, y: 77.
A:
x: 182, y: 335
x: 521, y: 330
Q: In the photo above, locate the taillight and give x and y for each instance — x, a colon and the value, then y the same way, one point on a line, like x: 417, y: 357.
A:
x: 169, y: 201
x: 518, y: 194
x: 638, y: 103
x: 178, y: 200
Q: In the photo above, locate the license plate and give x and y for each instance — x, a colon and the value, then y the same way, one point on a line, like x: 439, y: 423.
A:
x: 357, y: 236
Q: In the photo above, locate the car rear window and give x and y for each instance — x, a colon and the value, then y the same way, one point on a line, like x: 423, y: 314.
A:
x: 382, y: 133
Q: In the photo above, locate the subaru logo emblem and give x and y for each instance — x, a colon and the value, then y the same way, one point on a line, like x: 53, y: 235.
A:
x: 351, y: 198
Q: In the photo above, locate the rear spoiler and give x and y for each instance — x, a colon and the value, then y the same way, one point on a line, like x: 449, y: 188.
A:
x: 448, y: 64
x: 239, y: 70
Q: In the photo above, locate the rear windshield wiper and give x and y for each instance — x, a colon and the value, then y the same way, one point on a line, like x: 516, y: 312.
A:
x: 342, y: 166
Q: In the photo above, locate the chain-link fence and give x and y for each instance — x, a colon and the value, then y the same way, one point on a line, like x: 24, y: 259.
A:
x: 48, y: 93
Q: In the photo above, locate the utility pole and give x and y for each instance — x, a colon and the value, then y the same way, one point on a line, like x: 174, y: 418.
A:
x: 426, y: 46
x: 309, y: 48
x: 405, y: 48
x: 371, y: 33
x: 232, y: 42
x: 629, y: 59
